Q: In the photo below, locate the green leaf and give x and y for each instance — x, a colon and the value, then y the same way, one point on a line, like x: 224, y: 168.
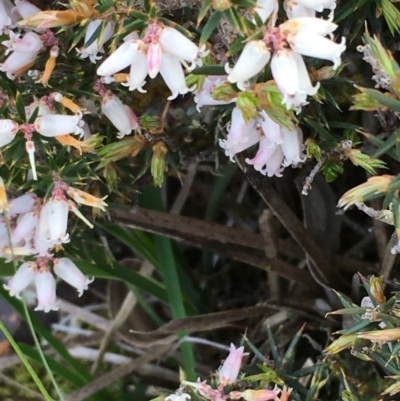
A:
x: 210, y: 26
x: 25, y: 361
x: 385, y: 100
x: 96, y: 35
x: 203, y: 11
x: 391, y: 15
x: 209, y: 70
x: 19, y: 105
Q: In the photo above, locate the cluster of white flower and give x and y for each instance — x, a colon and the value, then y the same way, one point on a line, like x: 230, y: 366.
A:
x: 164, y: 50
x: 301, y: 35
x: 35, y: 230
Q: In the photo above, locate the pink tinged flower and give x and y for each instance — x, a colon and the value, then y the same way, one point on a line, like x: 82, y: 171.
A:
x: 291, y: 147
x: 203, y: 97
x: 172, y: 73
x: 312, y: 45
x: 114, y: 110
x: 21, y: 279
x: 154, y: 55
x: 30, y: 42
x: 229, y: 371
x: 25, y: 8
x: 53, y: 220
x: 173, y: 42
x: 8, y: 130
x: 266, y: 9
x: 96, y: 47
x: 120, y: 59
x: 268, y: 160
x: 254, y: 57
x: 51, y: 125
x: 69, y: 272
x: 16, y: 61
x: 138, y: 73
x: 24, y: 204
x: 241, y: 134
x: 46, y: 291
x: 25, y: 228
x: 313, y: 25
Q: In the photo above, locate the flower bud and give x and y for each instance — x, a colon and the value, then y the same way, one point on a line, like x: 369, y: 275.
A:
x: 158, y: 163
x: 231, y: 367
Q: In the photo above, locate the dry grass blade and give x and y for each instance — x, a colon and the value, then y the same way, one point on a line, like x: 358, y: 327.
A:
x: 116, y: 374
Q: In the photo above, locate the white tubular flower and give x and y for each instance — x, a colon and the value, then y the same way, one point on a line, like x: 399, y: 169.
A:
x: 25, y: 229
x: 16, y: 61
x: 317, y: 26
x: 241, y: 134
x: 138, y: 73
x: 312, y: 45
x: 21, y: 279
x: 30, y: 42
x: 69, y: 272
x: 97, y: 46
x: 43, y: 109
x: 271, y: 129
x: 266, y: 9
x: 24, y: 204
x: 5, y: 16
x: 203, y: 96
x: 46, y: 291
x: 172, y: 73
x: 53, y: 220
x: 254, y: 57
x: 51, y: 125
x: 291, y: 77
x: 25, y: 9
x: 295, y: 10
x: 173, y: 42
x: 124, y: 56
x: 291, y: 147
x: 268, y: 159
x: 8, y: 130
x: 115, y: 111
x: 318, y: 5
x: 41, y: 246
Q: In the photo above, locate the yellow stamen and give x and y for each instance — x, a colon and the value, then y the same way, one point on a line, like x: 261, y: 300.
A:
x: 121, y: 77
x: 50, y: 65
x: 85, y: 198
x: 69, y: 140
